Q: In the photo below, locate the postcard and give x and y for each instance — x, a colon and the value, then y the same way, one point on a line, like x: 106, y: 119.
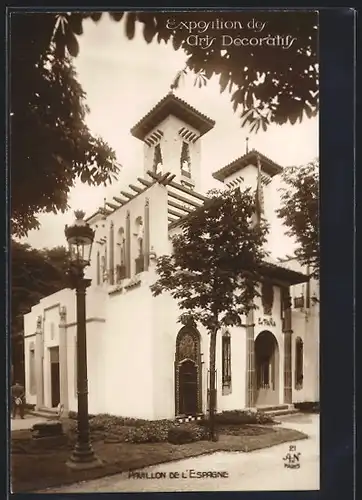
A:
x: 165, y: 251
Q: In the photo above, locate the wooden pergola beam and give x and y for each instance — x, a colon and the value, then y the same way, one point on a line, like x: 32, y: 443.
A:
x: 178, y: 186
x: 155, y: 177
x: 104, y: 211
x: 111, y: 205
x: 145, y: 182
x: 167, y: 178
x: 176, y: 214
x: 135, y: 188
x: 127, y: 195
x: 164, y: 179
x: 180, y: 207
x: 172, y: 219
x: 184, y: 200
x: 119, y: 200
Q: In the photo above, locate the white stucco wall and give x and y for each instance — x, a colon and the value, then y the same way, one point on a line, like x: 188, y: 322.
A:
x: 28, y: 341
x: 48, y: 309
x: 171, y: 143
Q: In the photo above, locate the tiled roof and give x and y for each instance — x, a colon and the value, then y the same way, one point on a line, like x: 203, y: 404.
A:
x: 283, y: 273
x: 172, y: 105
x: 267, y: 165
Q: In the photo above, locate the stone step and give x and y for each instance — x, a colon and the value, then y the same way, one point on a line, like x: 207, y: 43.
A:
x: 282, y: 413
x: 49, y: 413
x: 268, y: 409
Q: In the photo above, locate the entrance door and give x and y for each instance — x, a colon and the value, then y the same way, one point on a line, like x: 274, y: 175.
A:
x: 54, y: 376
x: 267, y: 369
x: 188, y: 374
x: 188, y: 388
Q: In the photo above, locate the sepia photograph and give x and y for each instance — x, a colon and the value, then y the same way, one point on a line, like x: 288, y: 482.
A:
x: 164, y: 251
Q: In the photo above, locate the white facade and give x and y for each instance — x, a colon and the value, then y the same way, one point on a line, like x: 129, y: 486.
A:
x: 131, y: 335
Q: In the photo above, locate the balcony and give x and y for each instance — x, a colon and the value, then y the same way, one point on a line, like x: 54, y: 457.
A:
x: 299, y: 302
x: 120, y: 273
x: 186, y: 173
x: 140, y: 265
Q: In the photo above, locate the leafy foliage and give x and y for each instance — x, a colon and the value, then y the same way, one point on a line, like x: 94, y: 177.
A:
x: 186, y: 433
x: 213, y: 270
x: 50, y: 145
x: 34, y: 275
x: 299, y: 212
x: 266, y: 83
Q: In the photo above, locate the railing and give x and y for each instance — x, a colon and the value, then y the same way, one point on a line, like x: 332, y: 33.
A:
x: 186, y: 173
x: 140, y: 265
x: 120, y: 273
x: 299, y: 302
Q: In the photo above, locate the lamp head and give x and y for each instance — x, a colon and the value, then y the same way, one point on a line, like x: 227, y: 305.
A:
x: 80, y: 238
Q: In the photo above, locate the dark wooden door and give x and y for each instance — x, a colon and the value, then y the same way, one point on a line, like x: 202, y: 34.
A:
x: 55, y: 384
x: 188, y: 388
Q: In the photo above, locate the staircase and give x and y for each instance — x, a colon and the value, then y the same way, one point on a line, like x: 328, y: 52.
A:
x: 49, y: 413
x: 278, y: 410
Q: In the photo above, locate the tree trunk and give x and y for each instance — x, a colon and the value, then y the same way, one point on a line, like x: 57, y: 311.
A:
x: 212, y: 403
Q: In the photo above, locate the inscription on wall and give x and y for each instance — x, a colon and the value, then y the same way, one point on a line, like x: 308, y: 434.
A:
x: 266, y: 322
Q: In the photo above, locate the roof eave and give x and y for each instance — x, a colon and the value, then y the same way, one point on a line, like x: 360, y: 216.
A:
x: 289, y: 276
x: 146, y: 124
x: 268, y: 166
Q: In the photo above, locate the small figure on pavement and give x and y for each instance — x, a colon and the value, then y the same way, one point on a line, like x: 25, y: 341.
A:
x: 17, y: 400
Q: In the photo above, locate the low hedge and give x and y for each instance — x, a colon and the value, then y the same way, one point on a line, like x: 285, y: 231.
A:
x: 111, y: 428
x: 104, y: 421
x: 308, y: 406
x: 241, y: 417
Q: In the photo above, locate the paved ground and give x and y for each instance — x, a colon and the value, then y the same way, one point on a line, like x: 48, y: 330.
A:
x: 18, y: 424
x: 258, y: 470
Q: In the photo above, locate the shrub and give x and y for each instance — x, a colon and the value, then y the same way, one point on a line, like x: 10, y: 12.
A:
x: 152, y: 432
x: 186, y: 433
x: 308, y: 407
x: 241, y: 417
x: 104, y: 421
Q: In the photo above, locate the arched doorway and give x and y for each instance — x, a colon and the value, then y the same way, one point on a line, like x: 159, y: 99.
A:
x: 267, y: 369
x: 188, y: 374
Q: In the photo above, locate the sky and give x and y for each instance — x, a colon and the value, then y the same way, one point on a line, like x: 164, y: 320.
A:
x: 123, y: 80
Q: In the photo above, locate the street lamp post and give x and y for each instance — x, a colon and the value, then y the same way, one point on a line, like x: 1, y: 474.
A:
x: 80, y: 238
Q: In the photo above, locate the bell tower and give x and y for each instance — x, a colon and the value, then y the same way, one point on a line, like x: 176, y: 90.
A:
x: 171, y: 134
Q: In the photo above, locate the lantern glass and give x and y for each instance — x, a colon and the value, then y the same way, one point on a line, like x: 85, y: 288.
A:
x: 80, y: 250
x: 80, y: 240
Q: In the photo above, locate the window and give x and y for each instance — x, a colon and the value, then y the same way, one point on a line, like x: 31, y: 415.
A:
x: 75, y: 368
x: 283, y: 294
x: 32, y: 375
x: 139, y: 261
x: 157, y: 160
x: 299, y: 302
x: 299, y: 361
x: 185, y: 161
x: 267, y: 297
x: 98, y: 269
x: 121, y: 257
x: 226, y: 360
x: 103, y: 268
